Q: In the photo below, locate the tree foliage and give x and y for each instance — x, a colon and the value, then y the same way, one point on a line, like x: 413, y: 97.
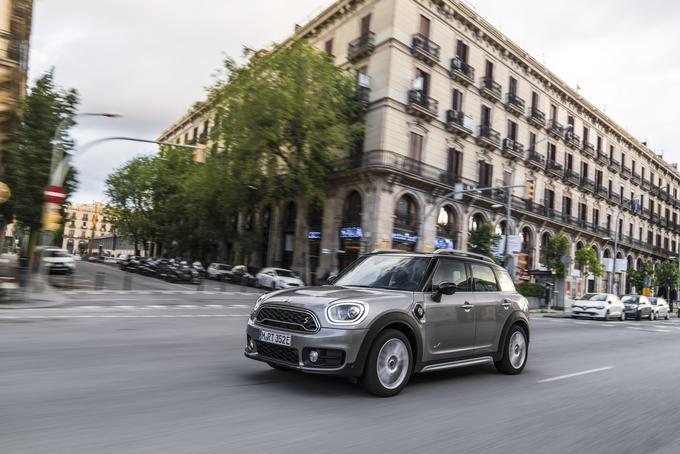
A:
x: 29, y: 153
x: 556, y: 247
x: 483, y: 239
x: 637, y: 277
x: 666, y: 276
x: 588, y: 263
x: 281, y: 121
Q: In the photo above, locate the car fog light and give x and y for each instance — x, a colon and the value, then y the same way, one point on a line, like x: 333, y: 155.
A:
x: 313, y: 356
x: 251, y: 344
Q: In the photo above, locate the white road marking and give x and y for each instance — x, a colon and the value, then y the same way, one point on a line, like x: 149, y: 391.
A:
x: 649, y: 330
x: 576, y: 374
x: 186, y: 306
x: 609, y: 325
x: 241, y: 305
x: 43, y: 317
x: 215, y: 306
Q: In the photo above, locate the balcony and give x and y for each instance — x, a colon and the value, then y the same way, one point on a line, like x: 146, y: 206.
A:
x: 645, y: 212
x: 462, y: 72
x: 535, y: 160
x: 646, y: 184
x: 555, y: 129
x: 361, y: 47
x: 635, y: 178
x: 424, y: 49
x: 588, y: 184
x: 489, y: 138
x: 458, y: 123
x: 421, y: 105
x: 655, y: 218
x: 571, y: 177
x: 625, y: 203
x: 588, y: 149
x: 602, y: 158
x: 514, y: 104
x: 615, y: 198
x: 625, y: 172
x: 512, y: 149
x: 614, y: 165
x: 536, y: 117
x: 490, y: 89
x: 601, y: 191
x: 572, y: 140
x: 555, y: 168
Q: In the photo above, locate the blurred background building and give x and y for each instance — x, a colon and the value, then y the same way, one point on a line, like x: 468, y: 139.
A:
x: 87, y: 229
x: 452, y: 101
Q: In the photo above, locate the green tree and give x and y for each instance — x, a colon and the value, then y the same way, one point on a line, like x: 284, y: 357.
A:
x: 588, y: 263
x: 666, y: 276
x: 637, y: 277
x: 557, y: 247
x: 29, y: 152
x: 483, y: 240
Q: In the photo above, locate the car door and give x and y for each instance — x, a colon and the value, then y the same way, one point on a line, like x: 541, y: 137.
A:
x: 615, y: 306
x: 492, y: 307
x: 450, y: 323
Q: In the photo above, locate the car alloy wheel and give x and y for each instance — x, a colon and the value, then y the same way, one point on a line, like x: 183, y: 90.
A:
x: 392, y: 363
x: 515, y: 349
x: 388, y: 365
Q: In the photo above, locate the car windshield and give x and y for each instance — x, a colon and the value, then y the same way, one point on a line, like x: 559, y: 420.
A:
x: 396, y: 272
x: 595, y: 297
x: 284, y: 273
x: 630, y: 299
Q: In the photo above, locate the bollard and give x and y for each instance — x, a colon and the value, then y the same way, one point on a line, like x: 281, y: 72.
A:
x: 99, y: 280
x: 127, y: 281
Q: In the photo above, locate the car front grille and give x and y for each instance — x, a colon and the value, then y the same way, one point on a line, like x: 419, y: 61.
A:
x: 277, y: 352
x: 287, y: 318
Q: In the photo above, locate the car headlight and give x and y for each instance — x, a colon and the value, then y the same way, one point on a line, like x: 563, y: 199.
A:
x: 346, y: 312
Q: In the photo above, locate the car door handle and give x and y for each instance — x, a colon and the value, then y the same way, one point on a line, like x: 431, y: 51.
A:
x: 467, y: 306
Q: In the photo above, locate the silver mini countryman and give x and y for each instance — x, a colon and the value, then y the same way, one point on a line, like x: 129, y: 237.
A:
x: 392, y: 314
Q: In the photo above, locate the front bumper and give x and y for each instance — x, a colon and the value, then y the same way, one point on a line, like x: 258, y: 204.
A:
x: 631, y: 313
x: 588, y: 312
x: 345, y: 340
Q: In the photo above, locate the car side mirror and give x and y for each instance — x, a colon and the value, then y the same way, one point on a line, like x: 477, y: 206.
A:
x: 331, y: 279
x: 444, y: 288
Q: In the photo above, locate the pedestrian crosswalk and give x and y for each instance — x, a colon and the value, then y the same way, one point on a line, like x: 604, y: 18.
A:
x: 661, y: 326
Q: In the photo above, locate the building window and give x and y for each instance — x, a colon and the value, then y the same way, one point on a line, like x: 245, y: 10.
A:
x: 485, y: 174
x: 328, y: 47
x: 512, y: 86
x: 462, y: 51
x: 457, y: 101
x: 424, y: 26
x: 486, y: 116
x: 488, y: 70
x: 512, y: 130
x: 532, y: 141
x: 455, y: 163
x: 416, y: 147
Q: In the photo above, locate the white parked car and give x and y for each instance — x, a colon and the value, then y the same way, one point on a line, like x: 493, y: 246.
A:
x: 277, y: 278
x: 598, y: 305
x: 56, y: 260
x: 661, y: 307
x: 217, y: 271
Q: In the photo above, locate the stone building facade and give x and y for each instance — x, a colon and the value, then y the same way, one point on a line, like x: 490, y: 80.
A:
x: 83, y: 223
x: 454, y: 103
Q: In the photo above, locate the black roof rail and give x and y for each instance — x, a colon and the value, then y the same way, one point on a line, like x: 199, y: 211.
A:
x: 465, y: 254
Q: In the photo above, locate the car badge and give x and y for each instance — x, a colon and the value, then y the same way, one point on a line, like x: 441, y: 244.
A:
x: 305, y: 321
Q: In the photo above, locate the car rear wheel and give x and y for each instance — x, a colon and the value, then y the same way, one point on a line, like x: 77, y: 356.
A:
x: 389, y: 364
x: 515, y: 352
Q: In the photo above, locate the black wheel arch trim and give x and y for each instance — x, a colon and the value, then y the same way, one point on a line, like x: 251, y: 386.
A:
x: 380, y: 324
x: 513, y: 319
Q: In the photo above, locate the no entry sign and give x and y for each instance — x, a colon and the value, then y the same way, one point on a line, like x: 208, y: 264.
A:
x: 54, y: 194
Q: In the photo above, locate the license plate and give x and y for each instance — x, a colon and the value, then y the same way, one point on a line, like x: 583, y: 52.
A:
x: 275, y: 338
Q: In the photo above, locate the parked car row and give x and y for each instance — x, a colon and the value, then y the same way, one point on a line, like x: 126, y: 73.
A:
x: 169, y: 270
x: 607, y: 306
x: 267, y: 278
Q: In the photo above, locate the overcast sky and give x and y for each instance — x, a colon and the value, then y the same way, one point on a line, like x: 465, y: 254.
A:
x: 152, y: 59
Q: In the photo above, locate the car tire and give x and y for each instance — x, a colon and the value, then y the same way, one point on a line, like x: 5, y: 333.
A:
x: 651, y: 316
x: 638, y: 315
x: 257, y: 283
x: 272, y: 287
x: 515, y: 351
x: 623, y: 316
x: 389, y: 364
x: 606, y: 316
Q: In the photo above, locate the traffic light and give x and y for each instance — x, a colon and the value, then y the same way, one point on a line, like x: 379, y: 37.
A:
x: 529, y: 190
x: 51, y: 217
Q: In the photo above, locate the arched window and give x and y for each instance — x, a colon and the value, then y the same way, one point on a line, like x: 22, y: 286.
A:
x: 406, y: 212
x: 446, y: 221
x: 351, y: 211
x: 476, y: 222
x: 527, y: 240
x: 500, y: 228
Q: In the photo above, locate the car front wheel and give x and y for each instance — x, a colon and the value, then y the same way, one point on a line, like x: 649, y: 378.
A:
x: 389, y: 364
x: 515, y: 352
x: 651, y: 316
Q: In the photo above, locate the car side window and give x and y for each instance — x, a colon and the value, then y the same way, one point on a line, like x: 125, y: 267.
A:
x: 451, y: 271
x: 484, y: 279
x: 504, y: 280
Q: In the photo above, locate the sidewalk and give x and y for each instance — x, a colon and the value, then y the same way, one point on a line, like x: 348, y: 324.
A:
x: 554, y: 313
x: 37, y: 294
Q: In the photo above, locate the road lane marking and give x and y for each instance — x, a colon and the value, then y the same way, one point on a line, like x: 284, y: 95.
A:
x: 186, y: 306
x: 649, y: 330
x: 576, y: 374
x: 47, y: 317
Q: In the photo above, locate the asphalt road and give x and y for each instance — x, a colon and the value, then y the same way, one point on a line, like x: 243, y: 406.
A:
x: 132, y: 372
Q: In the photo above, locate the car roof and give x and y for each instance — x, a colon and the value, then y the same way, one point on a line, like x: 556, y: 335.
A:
x: 471, y: 256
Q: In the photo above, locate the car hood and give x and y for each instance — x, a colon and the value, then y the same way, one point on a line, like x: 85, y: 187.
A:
x: 317, y: 299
